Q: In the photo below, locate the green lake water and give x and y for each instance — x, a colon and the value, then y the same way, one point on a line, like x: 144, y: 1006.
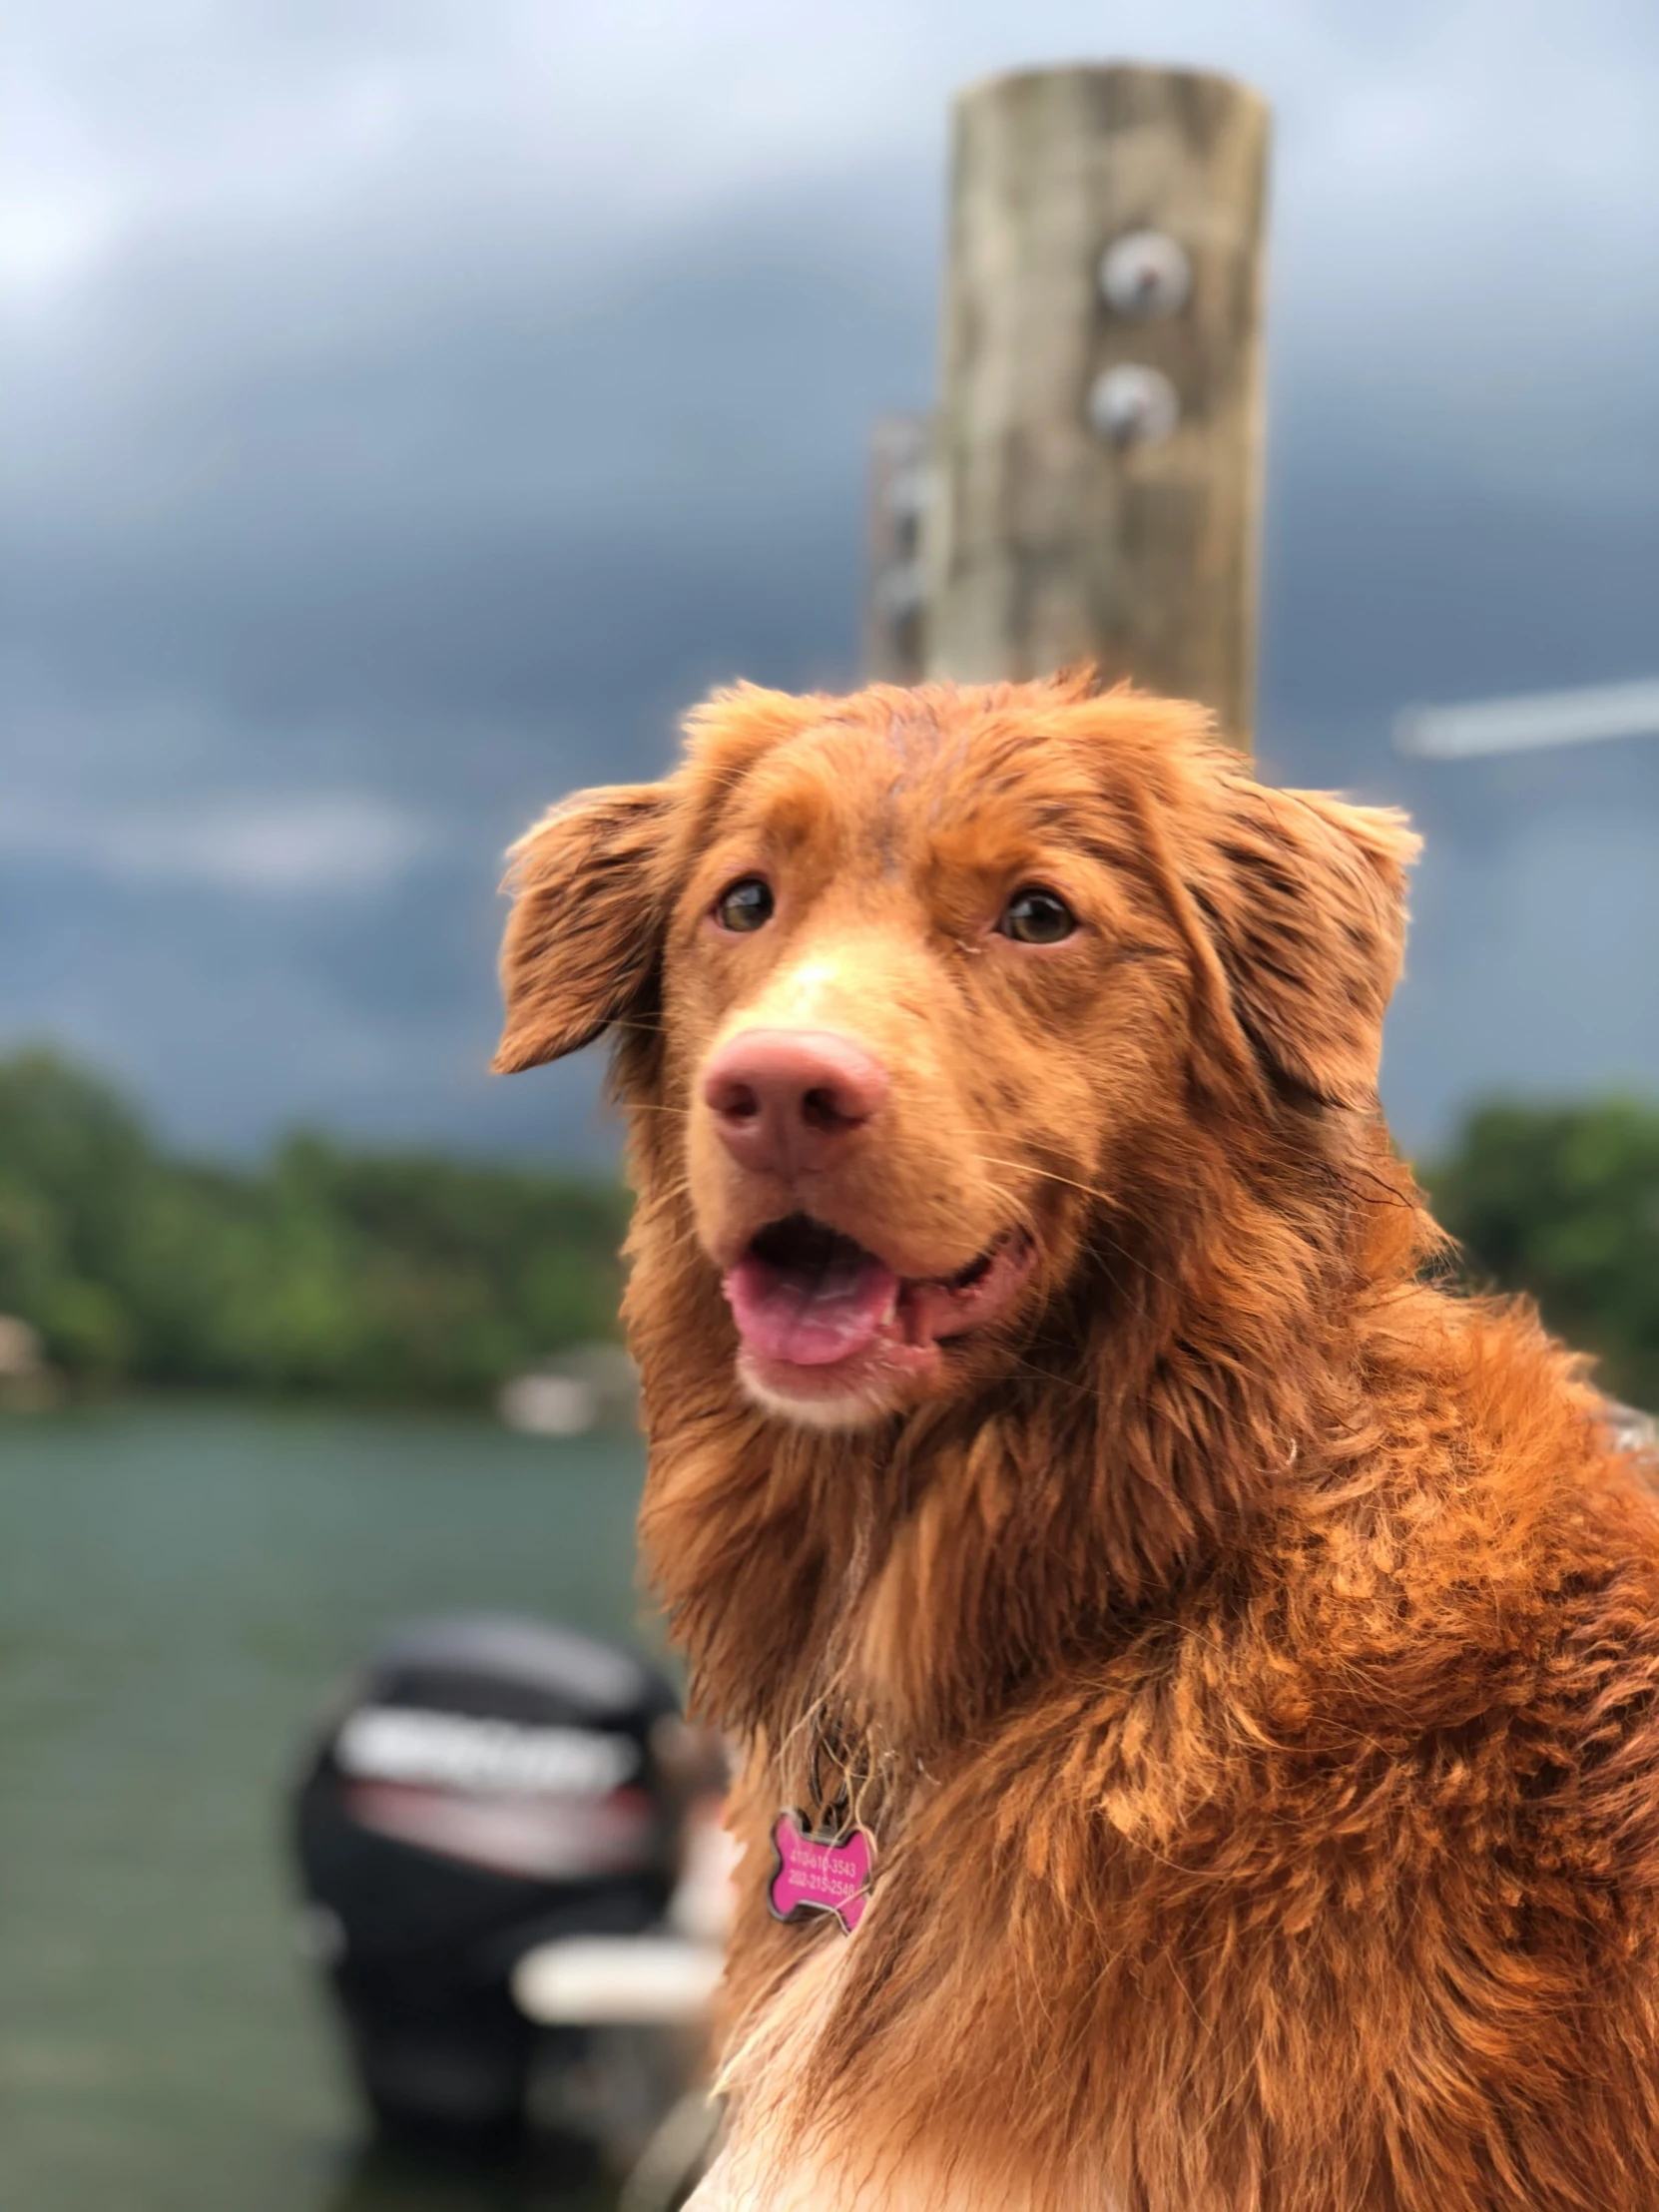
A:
x: 179, y: 1589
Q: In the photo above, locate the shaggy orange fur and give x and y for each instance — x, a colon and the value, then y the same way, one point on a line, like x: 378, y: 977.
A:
x: 1243, y: 1651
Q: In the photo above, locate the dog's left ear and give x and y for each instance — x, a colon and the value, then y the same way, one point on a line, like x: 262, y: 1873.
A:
x: 583, y: 940
x: 1307, y: 907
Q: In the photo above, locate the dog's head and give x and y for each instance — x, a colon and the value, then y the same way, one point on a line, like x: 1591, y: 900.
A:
x: 911, y: 989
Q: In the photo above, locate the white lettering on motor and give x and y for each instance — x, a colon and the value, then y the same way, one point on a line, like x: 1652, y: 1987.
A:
x: 390, y: 1743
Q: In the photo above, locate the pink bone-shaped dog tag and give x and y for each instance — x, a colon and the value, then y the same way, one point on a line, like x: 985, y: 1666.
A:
x: 818, y: 1873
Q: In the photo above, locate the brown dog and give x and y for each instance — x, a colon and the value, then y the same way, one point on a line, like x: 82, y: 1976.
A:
x: 1241, y: 1654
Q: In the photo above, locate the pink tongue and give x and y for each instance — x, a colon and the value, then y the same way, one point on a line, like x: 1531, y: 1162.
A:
x: 809, y: 1319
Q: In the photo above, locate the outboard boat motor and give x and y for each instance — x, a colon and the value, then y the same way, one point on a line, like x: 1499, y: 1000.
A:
x: 496, y: 1795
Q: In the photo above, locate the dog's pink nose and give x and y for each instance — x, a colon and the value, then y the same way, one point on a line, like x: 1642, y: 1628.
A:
x: 788, y: 1099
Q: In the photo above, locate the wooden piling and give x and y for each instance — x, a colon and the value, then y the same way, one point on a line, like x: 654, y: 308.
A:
x: 1098, y: 451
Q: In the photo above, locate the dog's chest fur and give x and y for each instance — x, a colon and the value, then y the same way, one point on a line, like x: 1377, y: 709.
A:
x: 767, y: 2165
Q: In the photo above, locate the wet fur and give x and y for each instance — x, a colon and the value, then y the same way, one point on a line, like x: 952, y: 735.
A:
x: 1247, y: 1666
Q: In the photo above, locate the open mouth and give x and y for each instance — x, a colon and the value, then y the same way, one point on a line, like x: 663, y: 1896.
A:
x: 804, y: 1295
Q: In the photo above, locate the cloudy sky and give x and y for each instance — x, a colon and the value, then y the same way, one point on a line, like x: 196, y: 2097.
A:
x: 413, y: 403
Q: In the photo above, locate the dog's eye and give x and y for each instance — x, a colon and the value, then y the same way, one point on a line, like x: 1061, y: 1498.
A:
x: 746, y: 904
x: 1036, y: 916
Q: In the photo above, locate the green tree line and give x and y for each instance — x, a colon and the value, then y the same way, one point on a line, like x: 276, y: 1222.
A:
x: 326, y: 1270
x: 1563, y: 1202
x: 400, y: 1276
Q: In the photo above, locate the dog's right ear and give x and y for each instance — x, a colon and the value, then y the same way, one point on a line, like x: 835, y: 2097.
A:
x: 583, y: 940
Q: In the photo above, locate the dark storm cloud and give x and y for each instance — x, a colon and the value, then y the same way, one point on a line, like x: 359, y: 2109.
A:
x: 461, y: 523
x: 410, y: 409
